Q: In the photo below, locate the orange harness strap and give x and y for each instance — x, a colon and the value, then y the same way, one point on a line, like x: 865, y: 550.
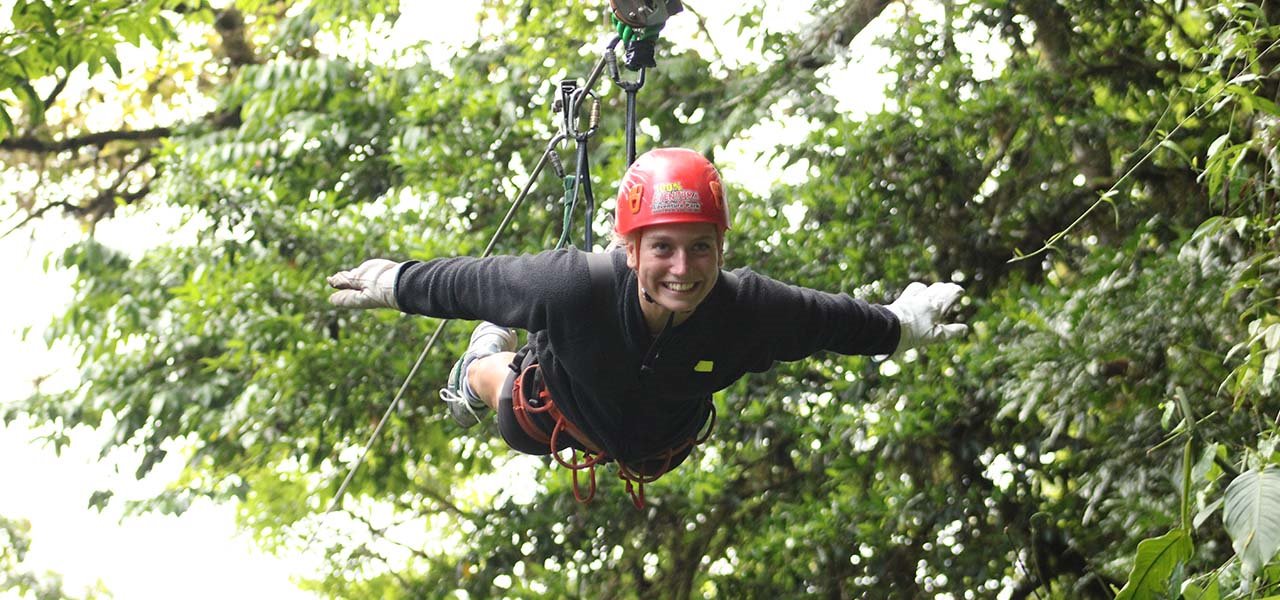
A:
x: 523, y: 407
x: 593, y: 455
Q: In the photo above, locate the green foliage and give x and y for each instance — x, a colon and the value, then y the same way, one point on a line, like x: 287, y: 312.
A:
x: 54, y: 38
x: 1155, y: 563
x: 1118, y: 379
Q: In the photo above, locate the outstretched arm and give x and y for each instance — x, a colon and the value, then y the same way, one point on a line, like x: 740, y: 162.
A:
x: 524, y: 291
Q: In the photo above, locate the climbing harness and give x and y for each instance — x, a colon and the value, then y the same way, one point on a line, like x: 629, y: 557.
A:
x: 530, y: 396
x: 641, y: 20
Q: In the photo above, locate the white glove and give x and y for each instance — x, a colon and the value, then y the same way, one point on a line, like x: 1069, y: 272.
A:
x: 919, y: 309
x: 370, y: 285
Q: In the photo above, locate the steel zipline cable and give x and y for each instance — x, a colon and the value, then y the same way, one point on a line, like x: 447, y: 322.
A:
x: 336, y: 502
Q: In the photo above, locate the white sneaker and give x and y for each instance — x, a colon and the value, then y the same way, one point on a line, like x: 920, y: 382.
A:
x: 464, y: 406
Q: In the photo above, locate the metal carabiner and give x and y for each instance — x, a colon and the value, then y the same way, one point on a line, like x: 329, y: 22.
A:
x: 611, y: 62
x: 569, y: 105
x: 593, y: 115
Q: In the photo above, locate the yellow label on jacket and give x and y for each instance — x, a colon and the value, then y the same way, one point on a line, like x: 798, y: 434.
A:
x: 704, y: 366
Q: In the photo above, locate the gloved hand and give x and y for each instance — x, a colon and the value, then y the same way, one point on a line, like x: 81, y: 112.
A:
x: 919, y: 310
x: 370, y: 285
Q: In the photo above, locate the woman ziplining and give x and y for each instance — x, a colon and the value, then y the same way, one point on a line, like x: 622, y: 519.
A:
x: 625, y: 348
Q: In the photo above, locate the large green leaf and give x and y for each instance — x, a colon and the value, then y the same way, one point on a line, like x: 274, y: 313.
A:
x: 1157, y: 558
x: 1211, y: 591
x: 1252, y: 517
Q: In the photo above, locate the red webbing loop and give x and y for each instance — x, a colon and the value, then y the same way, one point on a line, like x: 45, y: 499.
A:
x: 521, y: 409
x: 631, y: 474
x: 637, y: 497
x: 577, y: 494
x: 590, y: 458
x: 593, y: 455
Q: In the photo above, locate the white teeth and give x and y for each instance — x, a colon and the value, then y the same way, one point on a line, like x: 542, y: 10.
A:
x: 679, y: 287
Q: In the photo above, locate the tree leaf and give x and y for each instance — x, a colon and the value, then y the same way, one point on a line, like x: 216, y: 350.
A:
x: 1251, y: 515
x: 1217, y: 144
x: 1206, y: 512
x: 6, y: 123
x: 1173, y: 146
x: 35, y: 106
x: 114, y: 62
x: 100, y: 498
x: 1156, y: 559
x: 46, y: 17
x: 1212, y: 591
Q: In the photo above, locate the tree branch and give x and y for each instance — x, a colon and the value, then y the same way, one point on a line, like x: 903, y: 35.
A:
x: 1053, y: 33
x: 36, y: 214
x: 104, y: 203
x: 823, y: 42
x: 380, y: 533
x: 57, y: 89
x: 229, y: 24
x: 816, y: 48
x: 702, y: 26
x: 225, y: 119
x: 97, y: 138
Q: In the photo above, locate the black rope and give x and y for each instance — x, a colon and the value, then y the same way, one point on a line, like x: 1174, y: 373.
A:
x: 583, y: 183
x: 630, y: 88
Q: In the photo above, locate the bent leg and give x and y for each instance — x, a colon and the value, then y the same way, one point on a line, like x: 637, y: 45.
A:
x: 487, y: 375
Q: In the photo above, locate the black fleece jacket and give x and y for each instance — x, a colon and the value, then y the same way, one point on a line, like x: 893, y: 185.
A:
x: 591, y: 345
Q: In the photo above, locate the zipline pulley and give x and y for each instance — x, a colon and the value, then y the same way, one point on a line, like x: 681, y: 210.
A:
x: 641, y: 14
x: 638, y: 23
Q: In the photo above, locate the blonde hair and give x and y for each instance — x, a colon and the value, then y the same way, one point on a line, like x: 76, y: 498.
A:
x: 622, y: 240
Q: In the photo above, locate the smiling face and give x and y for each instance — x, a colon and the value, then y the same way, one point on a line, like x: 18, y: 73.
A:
x: 677, y: 264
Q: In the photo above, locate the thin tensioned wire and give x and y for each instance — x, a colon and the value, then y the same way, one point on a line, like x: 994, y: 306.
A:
x: 1107, y: 195
x: 377, y: 431
x: 493, y: 241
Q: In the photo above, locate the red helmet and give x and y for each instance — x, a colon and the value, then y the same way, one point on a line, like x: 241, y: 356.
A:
x: 671, y: 185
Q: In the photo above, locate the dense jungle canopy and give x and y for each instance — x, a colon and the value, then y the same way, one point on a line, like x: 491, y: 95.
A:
x: 1101, y: 176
